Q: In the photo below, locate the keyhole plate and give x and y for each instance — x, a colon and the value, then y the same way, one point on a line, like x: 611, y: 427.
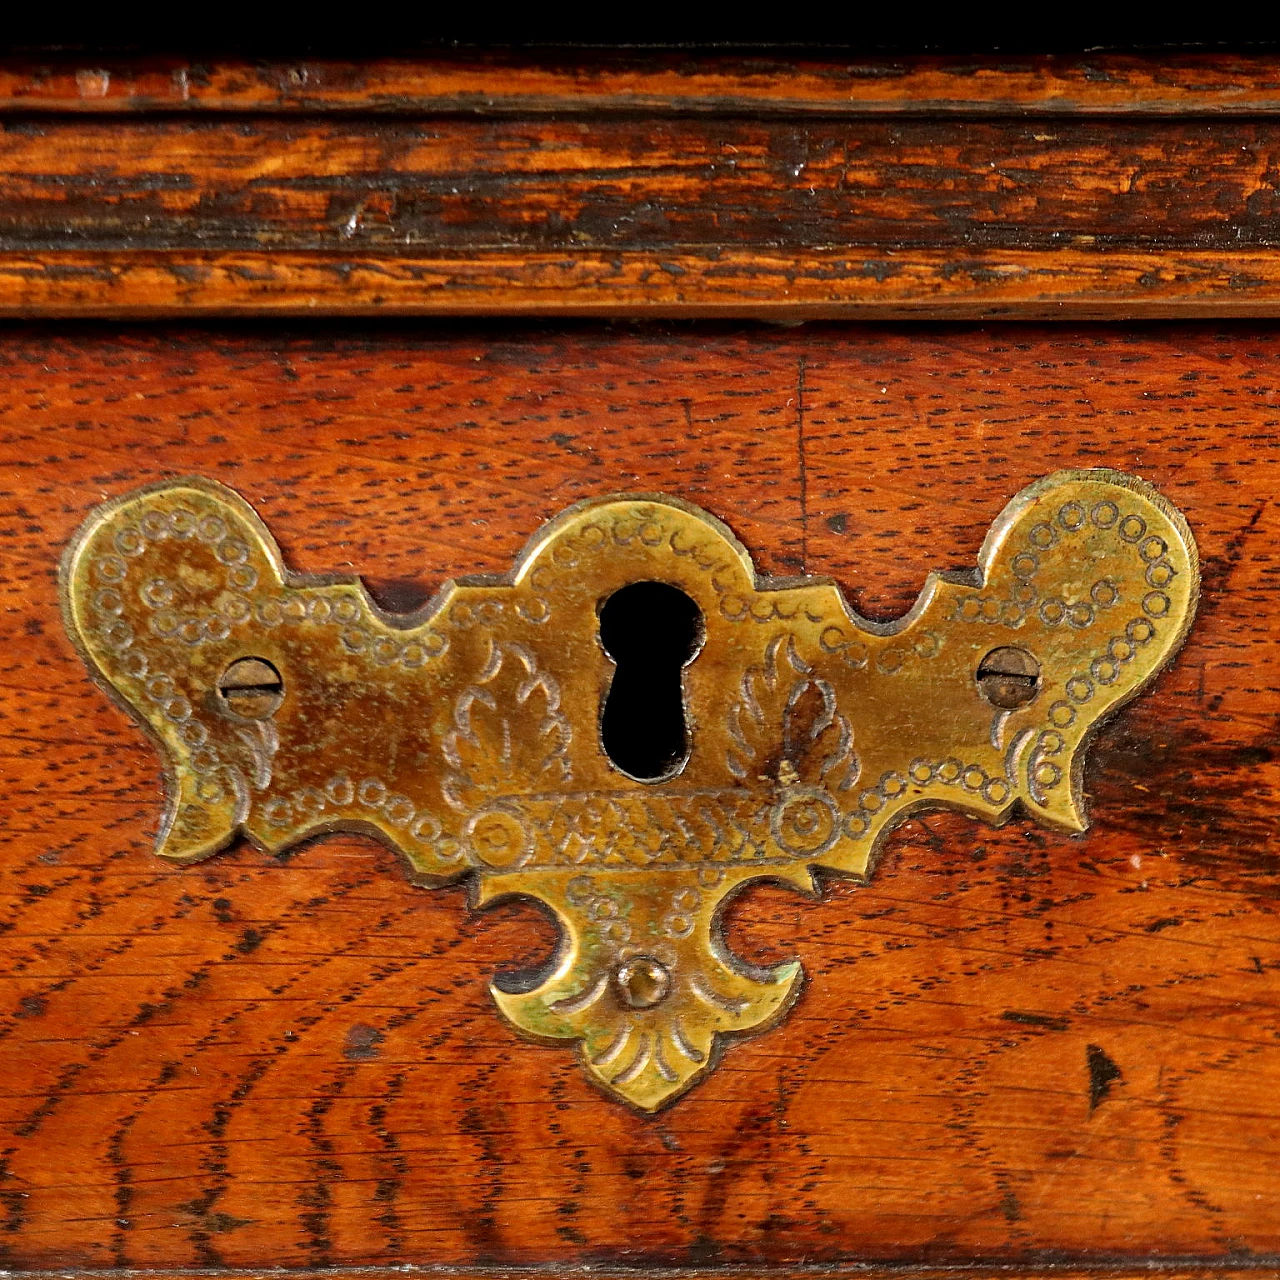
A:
x: 480, y: 736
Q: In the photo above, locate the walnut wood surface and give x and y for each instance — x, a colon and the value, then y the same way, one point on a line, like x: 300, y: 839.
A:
x: 1014, y: 1046
x: 1085, y: 187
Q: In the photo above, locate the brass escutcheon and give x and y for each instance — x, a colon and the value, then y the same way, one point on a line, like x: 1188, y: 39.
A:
x: 466, y: 736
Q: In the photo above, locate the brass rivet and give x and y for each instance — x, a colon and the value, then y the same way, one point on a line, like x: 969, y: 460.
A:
x: 251, y: 688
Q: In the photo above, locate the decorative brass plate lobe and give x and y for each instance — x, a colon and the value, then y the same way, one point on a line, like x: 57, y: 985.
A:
x: 467, y: 735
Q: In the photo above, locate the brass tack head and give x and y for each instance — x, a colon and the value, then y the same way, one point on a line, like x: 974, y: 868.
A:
x: 642, y: 982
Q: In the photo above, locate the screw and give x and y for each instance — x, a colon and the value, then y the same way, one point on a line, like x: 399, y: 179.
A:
x: 1008, y: 678
x: 251, y: 688
x: 642, y: 982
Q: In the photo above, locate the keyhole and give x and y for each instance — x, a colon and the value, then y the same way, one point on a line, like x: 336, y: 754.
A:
x: 651, y: 631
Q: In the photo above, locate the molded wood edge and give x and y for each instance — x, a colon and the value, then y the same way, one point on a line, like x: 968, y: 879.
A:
x: 1064, y: 284
x: 851, y: 1271
x: 1192, y: 84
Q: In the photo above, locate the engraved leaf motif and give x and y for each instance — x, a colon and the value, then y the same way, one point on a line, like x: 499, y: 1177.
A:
x: 509, y: 733
x: 786, y: 724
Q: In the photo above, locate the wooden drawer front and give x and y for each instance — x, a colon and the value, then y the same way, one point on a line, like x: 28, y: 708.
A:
x: 1013, y: 1044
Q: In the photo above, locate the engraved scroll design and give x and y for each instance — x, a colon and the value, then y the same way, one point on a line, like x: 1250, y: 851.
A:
x: 466, y: 736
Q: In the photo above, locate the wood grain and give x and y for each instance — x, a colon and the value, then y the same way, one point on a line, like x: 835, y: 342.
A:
x: 1015, y: 1047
